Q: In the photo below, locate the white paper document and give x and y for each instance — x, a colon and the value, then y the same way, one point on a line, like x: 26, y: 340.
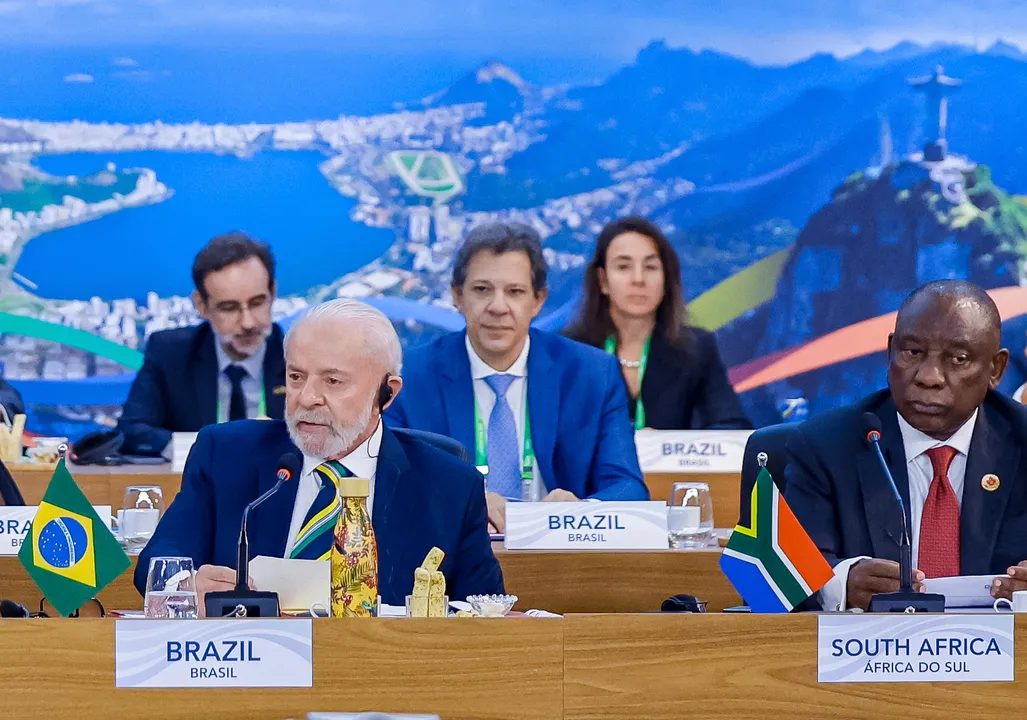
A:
x: 299, y: 583
x: 967, y: 591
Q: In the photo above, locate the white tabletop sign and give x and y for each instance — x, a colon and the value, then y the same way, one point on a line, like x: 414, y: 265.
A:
x: 712, y: 451
x: 586, y: 526
x: 213, y: 653
x: 915, y: 648
x: 16, y: 521
x: 181, y: 444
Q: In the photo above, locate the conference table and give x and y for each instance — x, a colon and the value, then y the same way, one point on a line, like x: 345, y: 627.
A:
x: 106, y: 485
x: 579, y: 667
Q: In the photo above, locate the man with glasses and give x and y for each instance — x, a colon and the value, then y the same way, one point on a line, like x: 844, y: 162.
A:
x: 231, y: 367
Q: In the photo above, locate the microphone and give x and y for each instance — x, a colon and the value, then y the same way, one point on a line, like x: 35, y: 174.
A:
x: 11, y: 609
x: 243, y: 602
x: 905, y: 600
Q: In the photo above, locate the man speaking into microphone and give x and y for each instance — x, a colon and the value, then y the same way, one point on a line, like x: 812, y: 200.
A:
x: 953, y: 446
x: 343, y: 363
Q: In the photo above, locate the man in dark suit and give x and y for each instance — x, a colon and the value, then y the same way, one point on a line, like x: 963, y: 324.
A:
x: 228, y: 368
x: 953, y: 445
x: 343, y: 360
x: 545, y: 417
x: 11, y: 403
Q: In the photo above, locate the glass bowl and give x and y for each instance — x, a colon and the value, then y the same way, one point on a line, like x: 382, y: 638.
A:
x: 492, y: 605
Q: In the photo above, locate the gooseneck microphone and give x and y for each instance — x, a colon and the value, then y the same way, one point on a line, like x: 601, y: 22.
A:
x: 905, y: 600
x: 243, y: 602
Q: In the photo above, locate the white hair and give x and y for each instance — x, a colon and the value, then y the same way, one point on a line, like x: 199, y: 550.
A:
x: 380, y: 337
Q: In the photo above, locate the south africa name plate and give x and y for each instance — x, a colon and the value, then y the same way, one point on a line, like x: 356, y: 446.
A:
x: 586, y: 526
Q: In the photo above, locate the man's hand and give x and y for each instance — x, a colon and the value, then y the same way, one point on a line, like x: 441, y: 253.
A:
x: 214, y: 578
x: 868, y: 577
x: 1017, y: 580
x: 497, y: 512
x: 559, y: 495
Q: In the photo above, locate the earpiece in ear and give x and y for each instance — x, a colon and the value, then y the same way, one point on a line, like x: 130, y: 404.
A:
x: 384, y: 394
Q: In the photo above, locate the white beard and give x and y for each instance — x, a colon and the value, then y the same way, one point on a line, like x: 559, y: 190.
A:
x: 338, y: 443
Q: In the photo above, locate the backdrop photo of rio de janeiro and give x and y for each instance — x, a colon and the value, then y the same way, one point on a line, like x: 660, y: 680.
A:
x: 812, y: 162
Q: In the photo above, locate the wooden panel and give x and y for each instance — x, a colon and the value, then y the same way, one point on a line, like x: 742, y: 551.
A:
x: 614, y: 582
x: 105, y: 486
x: 724, y: 487
x: 745, y: 667
x: 414, y: 666
x: 561, y: 582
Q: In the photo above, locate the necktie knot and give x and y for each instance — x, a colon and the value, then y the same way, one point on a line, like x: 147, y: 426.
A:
x: 331, y: 471
x: 235, y: 373
x: 941, y: 459
x: 500, y: 383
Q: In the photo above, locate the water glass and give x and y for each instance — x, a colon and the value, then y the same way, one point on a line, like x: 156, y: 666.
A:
x: 171, y: 589
x: 142, y: 509
x: 690, y: 515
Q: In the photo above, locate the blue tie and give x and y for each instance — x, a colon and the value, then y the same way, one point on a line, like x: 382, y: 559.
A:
x: 504, y: 476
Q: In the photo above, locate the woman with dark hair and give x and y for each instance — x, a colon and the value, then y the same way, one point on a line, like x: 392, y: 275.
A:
x: 634, y: 307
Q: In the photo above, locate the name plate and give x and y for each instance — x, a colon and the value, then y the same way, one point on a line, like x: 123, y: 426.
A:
x: 711, y: 451
x: 910, y: 648
x: 586, y: 526
x: 250, y: 653
x: 16, y: 522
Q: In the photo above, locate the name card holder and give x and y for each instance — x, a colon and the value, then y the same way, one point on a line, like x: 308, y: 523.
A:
x: 16, y: 521
x: 251, y: 653
x: 587, y: 526
x: 698, y: 451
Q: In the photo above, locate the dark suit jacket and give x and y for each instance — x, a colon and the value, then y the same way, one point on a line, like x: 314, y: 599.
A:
x: 176, y: 389
x: 582, y: 438
x: 840, y: 495
x: 10, y: 398
x: 423, y: 497
x: 686, y: 387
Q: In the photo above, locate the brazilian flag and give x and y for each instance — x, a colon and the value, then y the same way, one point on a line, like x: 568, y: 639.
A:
x: 70, y: 553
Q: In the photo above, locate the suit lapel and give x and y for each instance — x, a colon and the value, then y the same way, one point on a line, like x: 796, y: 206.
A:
x: 457, y: 390
x: 991, y: 451
x: 205, y: 375
x: 882, y: 512
x: 269, y: 524
x: 274, y: 374
x: 543, y: 406
x: 391, y: 506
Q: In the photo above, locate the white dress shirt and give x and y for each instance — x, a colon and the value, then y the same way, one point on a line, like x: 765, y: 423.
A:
x: 251, y: 384
x: 362, y: 463
x: 516, y: 397
x: 921, y: 474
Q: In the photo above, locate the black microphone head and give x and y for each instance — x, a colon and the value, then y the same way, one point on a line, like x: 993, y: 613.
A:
x: 11, y: 609
x: 288, y: 466
x: 871, y: 426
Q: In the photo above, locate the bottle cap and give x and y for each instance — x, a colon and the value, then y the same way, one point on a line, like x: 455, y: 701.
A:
x: 354, y: 487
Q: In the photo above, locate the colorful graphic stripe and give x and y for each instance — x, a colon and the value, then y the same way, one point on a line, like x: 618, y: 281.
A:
x: 773, y: 563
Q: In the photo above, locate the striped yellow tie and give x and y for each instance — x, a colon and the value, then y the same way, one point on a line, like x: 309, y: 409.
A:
x: 314, y: 541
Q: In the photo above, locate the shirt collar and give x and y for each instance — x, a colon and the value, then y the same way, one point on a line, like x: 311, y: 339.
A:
x: 480, y: 369
x: 254, y: 364
x: 917, y: 443
x: 362, y: 462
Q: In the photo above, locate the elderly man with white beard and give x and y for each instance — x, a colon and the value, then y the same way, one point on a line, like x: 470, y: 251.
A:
x: 343, y: 362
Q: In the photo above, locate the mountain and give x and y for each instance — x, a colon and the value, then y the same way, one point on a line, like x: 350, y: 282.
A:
x: 501, y: 89
x: 835, y: 277
x: 1004, y: 49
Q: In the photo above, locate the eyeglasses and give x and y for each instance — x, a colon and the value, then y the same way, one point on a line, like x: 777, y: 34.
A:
x: 232, y: 310
x: 92, y: 609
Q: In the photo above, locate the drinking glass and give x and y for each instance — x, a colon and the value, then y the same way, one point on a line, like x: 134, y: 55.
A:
x: 171, y: 589
x: 142, y: 510
x: 690, y: 515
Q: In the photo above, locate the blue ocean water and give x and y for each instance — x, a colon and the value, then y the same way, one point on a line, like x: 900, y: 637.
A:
x: 279, y: 197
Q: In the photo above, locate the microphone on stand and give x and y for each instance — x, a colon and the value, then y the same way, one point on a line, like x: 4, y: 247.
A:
x: 243, y: 602
x: 905, y: 600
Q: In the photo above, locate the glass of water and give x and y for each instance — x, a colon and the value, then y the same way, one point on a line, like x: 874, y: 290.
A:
x: 171, y: 589
x: 142, y: 509
x: 690, y: 515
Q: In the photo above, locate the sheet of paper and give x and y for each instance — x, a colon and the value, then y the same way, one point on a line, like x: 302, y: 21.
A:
x: 967, y: 591
x: 299, y: 583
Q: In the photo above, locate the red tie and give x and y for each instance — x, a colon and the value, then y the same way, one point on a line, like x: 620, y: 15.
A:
x: 939, y: 524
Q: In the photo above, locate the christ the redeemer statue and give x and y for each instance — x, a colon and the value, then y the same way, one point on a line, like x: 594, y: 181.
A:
x: 936, y: 87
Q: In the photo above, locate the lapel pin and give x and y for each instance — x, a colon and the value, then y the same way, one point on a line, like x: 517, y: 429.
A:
x: 990, y: 482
